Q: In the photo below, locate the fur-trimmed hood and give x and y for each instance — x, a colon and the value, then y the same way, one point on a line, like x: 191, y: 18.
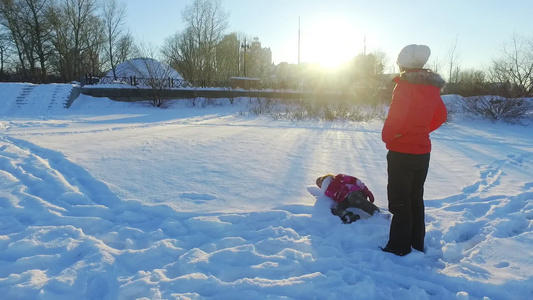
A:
x: 423, y: 77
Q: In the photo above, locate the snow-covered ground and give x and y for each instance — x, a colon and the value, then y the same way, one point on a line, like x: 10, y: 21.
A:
x: 110, y: 200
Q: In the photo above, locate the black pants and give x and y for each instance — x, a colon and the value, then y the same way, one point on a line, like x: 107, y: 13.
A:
x: 355, y: 199
x: 405, y: 191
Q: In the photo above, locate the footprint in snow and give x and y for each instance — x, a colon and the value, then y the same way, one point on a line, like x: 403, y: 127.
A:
x: 517, y: 160
x: 197, y: 196
x: 502, y: 265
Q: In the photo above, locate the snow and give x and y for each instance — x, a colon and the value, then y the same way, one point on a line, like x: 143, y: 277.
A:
x: 111, y: 200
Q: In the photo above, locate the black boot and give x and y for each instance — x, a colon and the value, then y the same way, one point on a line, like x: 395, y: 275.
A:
x: 389, y: 250
x: 350, y: 217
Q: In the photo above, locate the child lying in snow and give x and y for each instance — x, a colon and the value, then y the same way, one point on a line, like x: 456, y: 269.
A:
x: 347, y: 191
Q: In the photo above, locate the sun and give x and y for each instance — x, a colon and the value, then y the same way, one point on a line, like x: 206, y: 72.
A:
x: 329, y: 42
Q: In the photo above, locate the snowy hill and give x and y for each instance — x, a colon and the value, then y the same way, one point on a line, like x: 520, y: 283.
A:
x: 109, y: 200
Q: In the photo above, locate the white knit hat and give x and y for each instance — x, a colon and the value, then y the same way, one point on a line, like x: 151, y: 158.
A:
x: 413, y: 56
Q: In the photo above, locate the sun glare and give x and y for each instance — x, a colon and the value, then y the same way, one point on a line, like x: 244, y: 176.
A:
x: 329, y: 42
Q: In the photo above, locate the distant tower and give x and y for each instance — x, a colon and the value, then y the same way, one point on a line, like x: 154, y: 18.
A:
x: 256, y: 43
x: 364, y: 45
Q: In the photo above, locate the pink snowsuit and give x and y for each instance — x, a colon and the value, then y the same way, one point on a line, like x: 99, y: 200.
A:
x: 342, y: 185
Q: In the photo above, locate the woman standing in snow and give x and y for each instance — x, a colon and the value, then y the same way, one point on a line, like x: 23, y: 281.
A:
x: 416, y: 110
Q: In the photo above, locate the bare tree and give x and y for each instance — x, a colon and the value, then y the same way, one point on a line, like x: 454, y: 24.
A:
x: 124, y: 48
x: 180, y: 51
x: 206, y: 21
x: 515, y: 67
x: 72, y: 22
x: 154, y: 74
x: 368, y: 68
x: 453, y: 60
x: 62, y: 61
x: 12, y: 20
x: 28, y: 24
x: 41, y: 32
x: 114, y: 14
x: 94, y: 40
x: 5, y: 50
x: 381, y: 61
x: 370, y: 79
x: 434, y: 64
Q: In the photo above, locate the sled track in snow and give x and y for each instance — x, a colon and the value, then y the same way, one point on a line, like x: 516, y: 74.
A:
x: 84, y: 239
x: 138, y: 122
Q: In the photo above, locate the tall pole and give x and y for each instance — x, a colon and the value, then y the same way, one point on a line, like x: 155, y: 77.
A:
x: 245, y: 46
x: 364, y: 43
x: 298, y: 41
x: 299, y: 75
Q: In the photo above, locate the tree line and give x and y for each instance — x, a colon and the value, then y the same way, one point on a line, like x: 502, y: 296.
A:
x: 51, y: 40
x: 508, y: 75
x: 62, y: 40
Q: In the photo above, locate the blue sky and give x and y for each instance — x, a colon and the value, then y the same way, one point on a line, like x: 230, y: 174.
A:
x: 334, y: 31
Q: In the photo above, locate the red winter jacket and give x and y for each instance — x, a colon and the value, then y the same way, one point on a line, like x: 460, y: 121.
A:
x: 342, y: 185
x: 415, y: 111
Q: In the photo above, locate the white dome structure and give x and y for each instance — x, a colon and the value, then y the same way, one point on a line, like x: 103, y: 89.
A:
x: 145, y: 68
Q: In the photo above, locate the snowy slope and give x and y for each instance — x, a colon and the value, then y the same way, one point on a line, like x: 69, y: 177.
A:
x: 111, y: 200
x: 20, y: 99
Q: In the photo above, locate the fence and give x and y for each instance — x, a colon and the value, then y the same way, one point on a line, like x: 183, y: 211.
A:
x: 132, y: 95
x: 152, y: 82
x: 172, y: 88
